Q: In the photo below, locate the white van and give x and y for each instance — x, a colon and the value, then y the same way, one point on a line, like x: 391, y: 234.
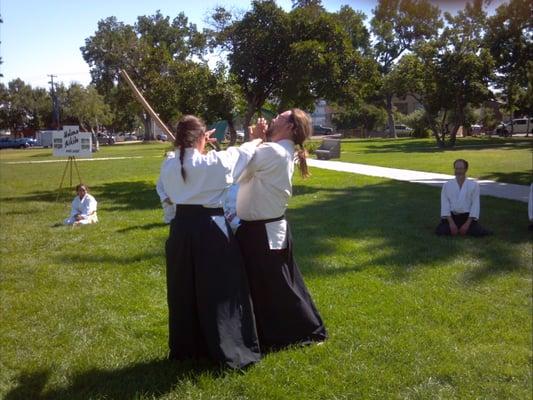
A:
x: 519, y: 125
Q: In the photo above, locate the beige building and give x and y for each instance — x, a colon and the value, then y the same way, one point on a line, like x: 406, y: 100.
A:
x: 406, y: 105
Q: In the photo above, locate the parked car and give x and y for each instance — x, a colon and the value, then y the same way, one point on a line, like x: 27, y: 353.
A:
x: 104, y: 138
x: 163, y: 137
x: 240, y: 136
x: 517, y: 125
x: 401, y: 130
x: 322, y: 130
x: 130, y: 137
x: 11, y: 143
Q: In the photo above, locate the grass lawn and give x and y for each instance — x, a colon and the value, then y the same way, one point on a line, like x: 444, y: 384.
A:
x: 507, y: 160
x: 410, y: 315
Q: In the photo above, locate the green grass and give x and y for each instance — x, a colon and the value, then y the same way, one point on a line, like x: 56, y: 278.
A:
x: 503, y: 160
x: 410, y: 315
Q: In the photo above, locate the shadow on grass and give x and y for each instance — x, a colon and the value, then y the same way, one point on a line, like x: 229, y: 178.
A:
x: 393, y: 224
x: 144, y: 227
x: 150, y: 379
x: 86, y: 259
x: 406, y: 145
x: 518, y: 177
x: 136, y: 195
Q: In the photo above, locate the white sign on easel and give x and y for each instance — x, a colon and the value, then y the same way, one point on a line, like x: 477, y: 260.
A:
x: 70, y: 142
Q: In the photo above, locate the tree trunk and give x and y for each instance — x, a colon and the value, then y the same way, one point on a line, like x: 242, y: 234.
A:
x: 392, y: 131
x: 459, y: 119
x: 232, y: 132
x: 247, y: 118
x: 148, y: 132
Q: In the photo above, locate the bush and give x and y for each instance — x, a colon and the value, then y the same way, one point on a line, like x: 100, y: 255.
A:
x: 311, y: 146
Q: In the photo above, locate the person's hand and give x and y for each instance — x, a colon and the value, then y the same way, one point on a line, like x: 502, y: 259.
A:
x: 258, y: 131
x: 257, y: 142
x: 464, y: 228
x: 453, y: 229
x: 78, y: 217
x: 208, y: 137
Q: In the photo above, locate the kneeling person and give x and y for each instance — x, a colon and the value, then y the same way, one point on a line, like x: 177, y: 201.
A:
x: 83, y: 208
x: 460, y: 205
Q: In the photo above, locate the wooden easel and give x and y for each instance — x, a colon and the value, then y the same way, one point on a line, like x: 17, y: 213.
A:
x: 71, y: 161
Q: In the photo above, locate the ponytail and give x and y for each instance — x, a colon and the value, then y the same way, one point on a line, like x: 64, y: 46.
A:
x: 302, y: 129
x: 188, y: 131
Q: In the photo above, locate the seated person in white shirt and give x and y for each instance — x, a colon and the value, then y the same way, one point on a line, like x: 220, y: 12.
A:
x: 83, y: 208
x: 169, y: 208
x: 530, y: 207
x: 460, y: 205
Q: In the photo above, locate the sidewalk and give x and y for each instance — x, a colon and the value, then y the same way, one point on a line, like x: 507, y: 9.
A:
x: 488, y: 188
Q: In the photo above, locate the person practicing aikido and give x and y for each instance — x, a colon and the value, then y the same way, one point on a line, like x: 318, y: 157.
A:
x: 169, y: 208
x: 83, y: 208
x: 210, y: 309
x: 459, y: 204
x: 284, y: 310
x: 530, y: 208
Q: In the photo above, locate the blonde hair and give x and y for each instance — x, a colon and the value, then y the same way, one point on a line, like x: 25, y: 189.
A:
x: 302, y: 129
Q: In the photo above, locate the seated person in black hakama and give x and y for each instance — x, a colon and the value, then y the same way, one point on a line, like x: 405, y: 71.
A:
x: 460, y: 205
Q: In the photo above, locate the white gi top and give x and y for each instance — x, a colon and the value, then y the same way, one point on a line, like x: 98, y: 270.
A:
x: 265, y: 188
x: 159, y: 185
x: 458, y: 200
x: 208, y: 176
x: 530, y: 203
x: 84, y: 207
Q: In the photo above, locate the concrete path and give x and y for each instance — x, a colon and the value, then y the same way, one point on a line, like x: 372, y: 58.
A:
x: 488, y: 188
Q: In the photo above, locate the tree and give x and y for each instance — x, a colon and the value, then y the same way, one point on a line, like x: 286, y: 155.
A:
x: 153, y: 51
x: 399, y: 25
x: 508, y: 37
x: 86, y: 107
x: 291, y: 59
x: 448, y: 74
x: 257, y: 49
x: 466, y: 66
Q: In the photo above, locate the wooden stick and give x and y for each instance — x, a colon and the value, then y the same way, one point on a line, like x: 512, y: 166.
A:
x: 145, y: 104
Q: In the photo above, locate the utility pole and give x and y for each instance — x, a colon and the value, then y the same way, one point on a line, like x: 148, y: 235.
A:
x: 55, y: 102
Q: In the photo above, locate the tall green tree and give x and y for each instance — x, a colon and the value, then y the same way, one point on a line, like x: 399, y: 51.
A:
x: 292, y: 59
x: 397, y: 26
x: 509, y: 36
x: 86, y: 107
x: 152, y: 51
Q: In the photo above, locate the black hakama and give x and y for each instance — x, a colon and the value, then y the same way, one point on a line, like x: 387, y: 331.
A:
x: 210, y: 310
x: 475, y: 229
x: 284, y: 311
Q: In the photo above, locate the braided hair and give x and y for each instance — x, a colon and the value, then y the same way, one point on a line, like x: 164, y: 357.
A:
x: 302, y: 129
x: 188, y: 131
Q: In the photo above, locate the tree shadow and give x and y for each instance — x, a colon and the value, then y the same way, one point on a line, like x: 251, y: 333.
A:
x: 394, y: 222
x: 151, y: 379
x: 127, y: 195
x: 144, y: 227
x: 410, y: 145
x: 518, y: 177
x: 86, y: 259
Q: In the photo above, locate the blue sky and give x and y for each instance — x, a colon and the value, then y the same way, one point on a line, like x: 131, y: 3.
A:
x: 44, y: 37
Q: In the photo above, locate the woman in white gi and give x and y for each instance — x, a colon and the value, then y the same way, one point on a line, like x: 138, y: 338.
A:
x: 83, y: 208
x: 210, y: 310
x: 284, y: 311
x: 169, y: 208
x: 530, y: 208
